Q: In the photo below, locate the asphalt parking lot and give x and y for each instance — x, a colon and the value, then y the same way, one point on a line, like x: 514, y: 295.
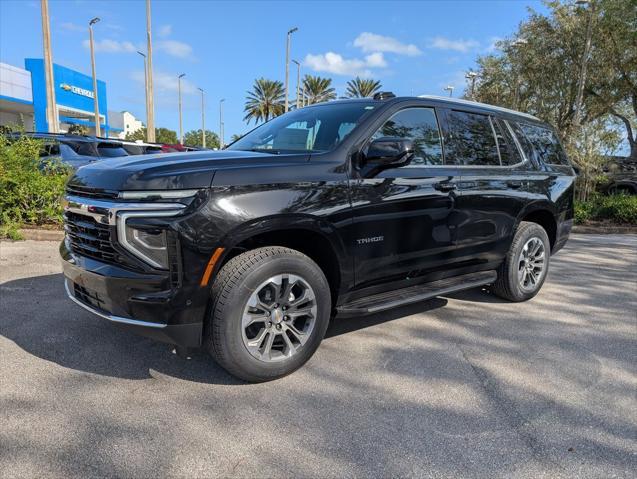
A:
x: 463, y: 386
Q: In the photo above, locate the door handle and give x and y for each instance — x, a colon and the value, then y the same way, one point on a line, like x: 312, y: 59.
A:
x: 445, y: 186
x: 514, y: 184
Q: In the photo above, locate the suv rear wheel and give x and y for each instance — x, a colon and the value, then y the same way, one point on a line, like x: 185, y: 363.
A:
x: 271, y: 307
x: 526, y: 265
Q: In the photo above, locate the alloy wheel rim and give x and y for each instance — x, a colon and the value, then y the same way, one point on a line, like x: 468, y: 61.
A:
x: 278, y: 318
x: 531, y: 264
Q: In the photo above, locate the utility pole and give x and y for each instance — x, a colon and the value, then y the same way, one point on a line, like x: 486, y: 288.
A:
x: 517, y: 43
x: 221, y: 145
x: 203, y: 121
x: 298, y: 83
x: 96, y: 105
x: 145, y: 90
x: 181, y: 129
x: 449, y: 88
x: 51, y: 105
x: 150, y: 127
x: 471, y: 76
x: 287, y: 65
x: 579, y: 99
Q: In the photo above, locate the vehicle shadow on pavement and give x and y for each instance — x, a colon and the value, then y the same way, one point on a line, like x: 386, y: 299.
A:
x: 39, y: 318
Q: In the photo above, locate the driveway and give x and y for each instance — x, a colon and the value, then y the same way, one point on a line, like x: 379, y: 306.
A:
x: 462, y: 386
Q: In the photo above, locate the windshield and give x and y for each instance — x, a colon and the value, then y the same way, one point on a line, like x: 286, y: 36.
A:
x: 316, y: 128
x: 109, y: 150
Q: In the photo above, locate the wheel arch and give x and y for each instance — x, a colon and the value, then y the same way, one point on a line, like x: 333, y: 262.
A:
x: 543, y: 215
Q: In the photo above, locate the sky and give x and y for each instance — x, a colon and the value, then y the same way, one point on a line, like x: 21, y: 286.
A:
x: 412, y: 47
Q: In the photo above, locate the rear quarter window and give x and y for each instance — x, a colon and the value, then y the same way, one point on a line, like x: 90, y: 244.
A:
x: 545, y: 144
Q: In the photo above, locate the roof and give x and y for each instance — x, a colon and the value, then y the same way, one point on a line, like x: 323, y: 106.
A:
x: 460, y: 101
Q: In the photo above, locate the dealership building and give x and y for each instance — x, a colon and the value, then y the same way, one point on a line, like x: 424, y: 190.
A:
x: 23, y: 98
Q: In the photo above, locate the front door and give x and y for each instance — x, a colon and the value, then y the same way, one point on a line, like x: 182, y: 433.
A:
x: 403, y: 216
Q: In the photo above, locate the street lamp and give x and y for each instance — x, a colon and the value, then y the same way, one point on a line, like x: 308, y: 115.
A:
x: 181, y: 130
x: 287, y: 65
x: 95, y: 99
x: 221, y: 145
x: 579, y: 99
x: 471, y: 76
x: 298, y: 83
x: 449, y: 88
x: 150, y: 127
x: 51, y: 106
x: 203, y: 123
x: 145, y: 90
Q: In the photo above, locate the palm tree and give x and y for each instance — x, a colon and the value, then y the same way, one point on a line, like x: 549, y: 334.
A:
x: 265, y: 101
x: 361, y: 88
x: 318, y: 89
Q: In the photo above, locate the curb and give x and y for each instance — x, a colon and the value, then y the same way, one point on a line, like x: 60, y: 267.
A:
x: 604, y: 230
x: 42, y: 235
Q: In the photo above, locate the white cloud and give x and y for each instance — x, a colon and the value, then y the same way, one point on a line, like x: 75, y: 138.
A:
x: 113, y: 46
x: 165, y: 31
x: 72, y: 27
x: 164, y: 82
x: 459, y: 45
x: 334, y: 63
x: 175, y: 48
x: 371, y: 42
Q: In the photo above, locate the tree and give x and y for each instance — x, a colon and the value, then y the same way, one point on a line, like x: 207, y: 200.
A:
x: 193, y: 138
x: 235, y: 137
x: 318, y: 89
x: 265, y: 101
x: 76, y: 129
x: 361, y: 88
x: 162, y: 135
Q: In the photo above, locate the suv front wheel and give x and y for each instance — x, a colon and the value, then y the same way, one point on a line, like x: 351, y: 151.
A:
x: 271, y: 308
x: 526, y: 264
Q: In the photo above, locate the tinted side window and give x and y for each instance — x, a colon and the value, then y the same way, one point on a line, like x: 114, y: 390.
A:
x: 509, y: 152
x: 471, y: 140
x: 527, y: 148
x: 546, y: 144
x: 420, y: 126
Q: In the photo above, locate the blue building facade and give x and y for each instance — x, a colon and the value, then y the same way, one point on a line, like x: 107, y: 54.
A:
x: 73, y: 96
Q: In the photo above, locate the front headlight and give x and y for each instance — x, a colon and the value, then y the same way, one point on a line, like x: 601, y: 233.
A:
x: 149, y: 245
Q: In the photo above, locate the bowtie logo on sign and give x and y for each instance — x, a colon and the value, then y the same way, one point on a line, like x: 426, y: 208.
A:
x: 77, y: 90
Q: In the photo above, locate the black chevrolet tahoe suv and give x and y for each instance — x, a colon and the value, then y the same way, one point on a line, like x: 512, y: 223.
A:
x: 348, y: 207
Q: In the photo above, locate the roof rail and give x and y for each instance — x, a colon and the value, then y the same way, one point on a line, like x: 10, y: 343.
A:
x: 477, y: 103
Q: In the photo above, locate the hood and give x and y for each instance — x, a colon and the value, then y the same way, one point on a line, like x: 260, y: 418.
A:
x: 170, y: 171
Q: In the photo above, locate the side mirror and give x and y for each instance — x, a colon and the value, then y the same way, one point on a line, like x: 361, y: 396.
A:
x: 389, y: 151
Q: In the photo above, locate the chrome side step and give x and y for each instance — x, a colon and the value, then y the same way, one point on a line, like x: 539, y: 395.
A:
x: 414, y: 294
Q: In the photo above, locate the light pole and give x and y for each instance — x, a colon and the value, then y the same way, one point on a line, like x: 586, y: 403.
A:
x: 471, y: 76
x: 287, y: 65
x: 579, y: 99
x: 221, y: 123
x: 181, y: 130
x: 150, y: 128
x: 51, y: 106
x: 298, y: 83
x: 203, y: 121
x: 517, y: 43
x: 95, y: 99
x: 449, y: 88
x: 145, y: 90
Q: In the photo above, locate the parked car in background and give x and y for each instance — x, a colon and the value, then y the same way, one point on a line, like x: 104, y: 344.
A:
x: 622, y: 175
x: 76, y: 150
x: 141, y: 148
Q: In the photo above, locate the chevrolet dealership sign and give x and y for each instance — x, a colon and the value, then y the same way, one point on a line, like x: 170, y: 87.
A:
x: 77, y: 90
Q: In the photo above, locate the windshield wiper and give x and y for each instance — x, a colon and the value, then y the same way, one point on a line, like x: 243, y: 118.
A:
x: 265, y: 150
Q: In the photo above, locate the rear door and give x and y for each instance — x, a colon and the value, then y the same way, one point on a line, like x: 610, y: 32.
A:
x: 403, y: 216
x: 494, y: 187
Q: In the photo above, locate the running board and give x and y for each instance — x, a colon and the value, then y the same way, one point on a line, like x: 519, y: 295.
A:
x: 414, y: 294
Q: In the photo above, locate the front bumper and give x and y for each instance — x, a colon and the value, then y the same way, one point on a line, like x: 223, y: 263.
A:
x: 143, y: 303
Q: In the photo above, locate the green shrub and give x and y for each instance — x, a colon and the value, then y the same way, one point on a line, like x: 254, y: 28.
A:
x: 30, y: 190
x: 620, y: 209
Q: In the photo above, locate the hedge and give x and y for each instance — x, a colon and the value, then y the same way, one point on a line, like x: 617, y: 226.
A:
x: 621, y: 209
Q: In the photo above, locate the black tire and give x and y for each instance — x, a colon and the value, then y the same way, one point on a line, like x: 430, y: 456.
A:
x: 508, y: 285
x: 232, y: 289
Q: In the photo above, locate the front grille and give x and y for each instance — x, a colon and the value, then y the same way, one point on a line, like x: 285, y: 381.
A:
x: 89, y: 238
x: 87, y: 296
x: 96, y: 193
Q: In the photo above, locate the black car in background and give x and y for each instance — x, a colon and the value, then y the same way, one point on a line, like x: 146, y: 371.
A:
x: 76, y: 150
x: 350, y: 207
